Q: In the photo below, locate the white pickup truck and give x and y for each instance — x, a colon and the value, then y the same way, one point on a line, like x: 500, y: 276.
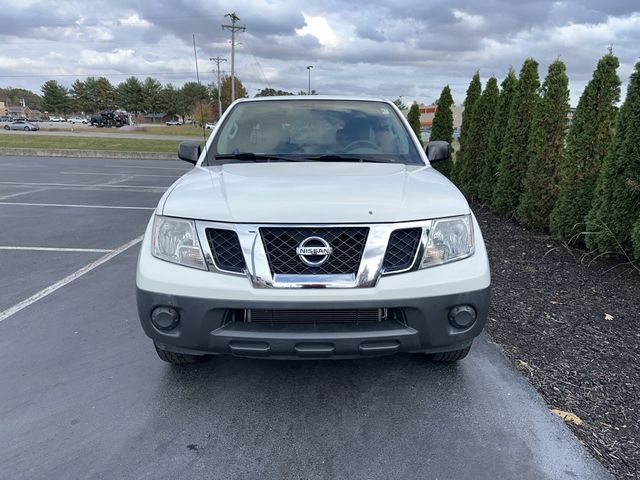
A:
x: 312, y: 227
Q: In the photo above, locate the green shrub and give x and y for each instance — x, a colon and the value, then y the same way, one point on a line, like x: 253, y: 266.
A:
x: 635, y: 237
x: 474, y: 90
x: 588, y: 142
x: 616, y: 205
x: 480, y: 126
x: 442, y: 127
x: 515, y: 152
x: 496, y: 138
x: 413, y: 117
x: 546, y: 144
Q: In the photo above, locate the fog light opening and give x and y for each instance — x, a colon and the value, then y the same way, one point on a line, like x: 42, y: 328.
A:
x: 462, y: 316
x: 165, y: 318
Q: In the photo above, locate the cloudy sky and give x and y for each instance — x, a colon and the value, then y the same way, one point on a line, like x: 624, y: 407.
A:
x: 373, y: 48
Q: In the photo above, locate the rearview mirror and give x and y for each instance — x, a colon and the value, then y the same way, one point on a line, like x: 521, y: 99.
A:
x: 438, y: 150
x: 189, y: 151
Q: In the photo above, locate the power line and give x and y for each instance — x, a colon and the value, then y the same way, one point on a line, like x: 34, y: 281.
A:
x: 95, y: 74
x: 255, y: 59
x: 233, y: 27
x: 123, y: 21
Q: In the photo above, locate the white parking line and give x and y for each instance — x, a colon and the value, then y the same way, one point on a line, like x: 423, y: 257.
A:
x: 68, y: 279
x: 11, y: 195
x: 80, y: 185
x: 119, y: 173
x: 114, y: 207
x: 56, y: 249
x: 152, y: 168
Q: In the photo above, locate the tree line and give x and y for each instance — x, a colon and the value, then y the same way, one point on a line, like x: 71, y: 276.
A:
x: 149, y: 96
x: 520, y: 156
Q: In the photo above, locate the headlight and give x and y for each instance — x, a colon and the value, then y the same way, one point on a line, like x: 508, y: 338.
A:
x: 449, y: 239
x: 175, y: 240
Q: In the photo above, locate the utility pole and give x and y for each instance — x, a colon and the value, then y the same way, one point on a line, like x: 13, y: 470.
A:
x: 309, y: 67
x: 218, y: 61
x: 233, y: 27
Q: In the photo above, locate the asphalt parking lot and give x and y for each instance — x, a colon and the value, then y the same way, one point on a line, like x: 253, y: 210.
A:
x: 83, y: 394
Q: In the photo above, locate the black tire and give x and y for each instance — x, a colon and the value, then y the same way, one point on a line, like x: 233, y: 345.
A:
x: 26, y: 129
x: 7, y: 127
x: 176, y: 358
x: 448, y: 357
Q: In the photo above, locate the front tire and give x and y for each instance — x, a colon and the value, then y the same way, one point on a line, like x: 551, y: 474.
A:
x: 176, y: 358
x: 449, y: 357
x: 7, y: 127
x: 26, y: 129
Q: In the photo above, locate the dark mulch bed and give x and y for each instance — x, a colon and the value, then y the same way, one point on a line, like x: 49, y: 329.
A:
x: 571, y: 324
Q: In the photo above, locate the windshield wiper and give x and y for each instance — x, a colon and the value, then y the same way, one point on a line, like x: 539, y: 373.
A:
x: 347, y: 158
x: 257, y: 157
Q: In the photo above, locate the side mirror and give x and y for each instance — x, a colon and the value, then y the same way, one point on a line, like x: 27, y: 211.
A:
x: 438, y: 150
x: 189, y: 151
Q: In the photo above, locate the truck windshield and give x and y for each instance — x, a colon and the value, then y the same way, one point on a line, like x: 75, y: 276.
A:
x: 331, y: 130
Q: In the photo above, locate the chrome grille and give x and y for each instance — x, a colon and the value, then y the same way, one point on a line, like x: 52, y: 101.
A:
x: 280, y: 244
x: 401, y: 250
x: 226, y: 249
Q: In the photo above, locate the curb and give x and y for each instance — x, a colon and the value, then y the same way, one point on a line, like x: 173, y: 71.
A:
x: 73, y: 153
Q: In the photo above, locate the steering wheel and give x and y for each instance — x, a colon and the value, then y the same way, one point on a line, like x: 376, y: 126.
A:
x: 360, y: 144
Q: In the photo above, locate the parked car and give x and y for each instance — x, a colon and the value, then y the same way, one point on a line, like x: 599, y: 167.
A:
x: 174, y: 122
x: 56, y: 119
x: 6, y: 119
x: 109, y: 118
x: 312, y: 229
x: 22, y: 125
x: 210, y: 126
x: 75, y: 120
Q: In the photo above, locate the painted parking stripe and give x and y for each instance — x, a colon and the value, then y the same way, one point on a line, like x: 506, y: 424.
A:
x: 152, y: 168
x: 68, y: 279
x: 56, y: 249
x: 11, y: 195
x: 68, y: 205
x: 119, y: 173
x: 81, y: 185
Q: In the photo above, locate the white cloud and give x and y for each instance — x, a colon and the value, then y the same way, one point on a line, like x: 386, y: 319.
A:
x: 470, y: 20
x: 319, y: 27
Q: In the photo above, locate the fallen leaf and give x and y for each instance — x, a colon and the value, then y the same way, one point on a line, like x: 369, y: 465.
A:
x: 567, y: 416
x: 608, y: 317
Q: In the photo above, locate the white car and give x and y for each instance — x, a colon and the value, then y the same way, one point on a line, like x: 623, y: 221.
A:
x: 75, y: 120
x: 56, y: 119
x: 312, y: 228
x: 210, y: 126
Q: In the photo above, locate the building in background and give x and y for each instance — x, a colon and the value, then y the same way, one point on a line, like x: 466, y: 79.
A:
x: 427, y: 112
x: 3, y: 109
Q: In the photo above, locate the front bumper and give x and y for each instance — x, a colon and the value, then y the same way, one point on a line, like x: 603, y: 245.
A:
x: 205, y: 327
x: 203, y: 300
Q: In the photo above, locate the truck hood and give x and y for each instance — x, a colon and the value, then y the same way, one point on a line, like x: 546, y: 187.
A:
x: 313, y: 192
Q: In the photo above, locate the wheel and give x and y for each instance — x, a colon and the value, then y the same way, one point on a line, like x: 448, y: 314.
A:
x: 7, y: 127
x: 26, y: 129
x: 448, y: 357
x: 176, y: 358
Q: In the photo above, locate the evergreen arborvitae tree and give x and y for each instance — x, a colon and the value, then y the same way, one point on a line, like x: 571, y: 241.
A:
x: 635, y: 238
x: 496, y: 138
x: 616, y: 206
x: 540, y: 186
x: 515, y: 151
x: 413, y: 117
x: 473, y: 95
x: 442, y: 127
x: 588, y: 142
x: 482, y: 118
